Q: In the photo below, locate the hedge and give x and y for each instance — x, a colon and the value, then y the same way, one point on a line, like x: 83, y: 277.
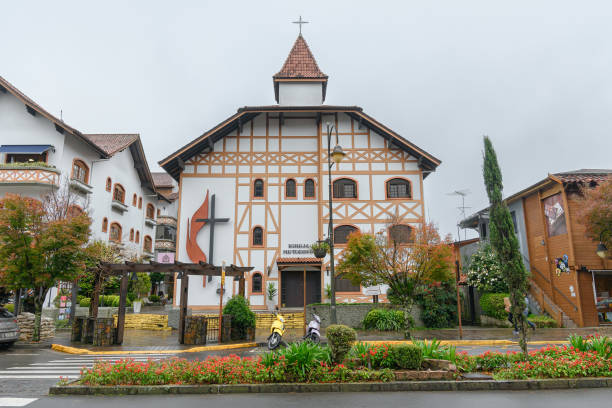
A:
x: 492, y: 304
x: 384, y: 320
x: 542, y: 321
x: 341, y: 339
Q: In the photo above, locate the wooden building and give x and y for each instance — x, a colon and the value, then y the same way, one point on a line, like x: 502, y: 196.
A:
x: 569, y: 280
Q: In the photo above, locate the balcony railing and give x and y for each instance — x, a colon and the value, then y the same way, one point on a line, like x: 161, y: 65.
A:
x: 33, y: 175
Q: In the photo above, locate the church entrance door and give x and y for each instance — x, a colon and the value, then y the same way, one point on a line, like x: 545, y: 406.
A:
x: 292, y: 288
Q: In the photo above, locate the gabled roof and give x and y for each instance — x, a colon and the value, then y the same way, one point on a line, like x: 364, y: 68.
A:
x: 174, y: 163
x: 300, y: 63
x: 162, y: 180
x: 33, y: 107
x: 112, y: 143
x: 581, y: 177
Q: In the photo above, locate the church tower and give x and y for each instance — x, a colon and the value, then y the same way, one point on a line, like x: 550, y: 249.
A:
x: 300, y: 82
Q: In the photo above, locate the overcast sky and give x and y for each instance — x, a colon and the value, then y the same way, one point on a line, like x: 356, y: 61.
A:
x: 533, y: 75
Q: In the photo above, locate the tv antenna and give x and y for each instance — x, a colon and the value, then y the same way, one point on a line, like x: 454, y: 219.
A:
x: 461, y: 193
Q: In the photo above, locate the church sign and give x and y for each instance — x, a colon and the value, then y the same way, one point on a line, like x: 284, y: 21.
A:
x: 298, y: 249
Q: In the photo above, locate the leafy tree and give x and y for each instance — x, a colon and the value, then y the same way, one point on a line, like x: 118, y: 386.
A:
x: 484, y: 271
x: 142, y: 285
x: 36, y: 251
x: 596, y: 212
x: 97, y: 252
x: 504, y: 241
x: 405, y: 264
x: 243, y: 317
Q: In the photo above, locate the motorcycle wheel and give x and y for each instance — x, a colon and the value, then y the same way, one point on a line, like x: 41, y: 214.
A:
x: 274, y: 341
x: 314, y: 337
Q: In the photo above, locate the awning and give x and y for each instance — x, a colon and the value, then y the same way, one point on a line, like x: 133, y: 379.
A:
x: 25, y: 149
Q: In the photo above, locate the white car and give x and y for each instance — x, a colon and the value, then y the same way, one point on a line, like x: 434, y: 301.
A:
x: 9, y: 331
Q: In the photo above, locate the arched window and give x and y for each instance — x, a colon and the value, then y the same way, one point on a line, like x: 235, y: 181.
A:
x: 148, y: 244
x: 309, y: 188
x: 399, y: 188
x: 258, y: 188
x: 257, y: 236
x: 139, y: 202
x: 256, y: 283
x: 115, y: 232
x: 80, y: 171
x: 342, y: 232
x: 290, y: 189
x: 137, y: 240
x: 134, y: 199
x: 150, y: 211
x: 74, y: 211
x: 109, y: 184
x: 104, y: 224
x: 345, y: 188
x: 400, y: 234
x: 119, y: 193
x: 132, y: 235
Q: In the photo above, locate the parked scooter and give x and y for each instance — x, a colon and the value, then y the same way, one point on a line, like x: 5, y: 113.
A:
x: 313, y: 332
x: 276, y: 331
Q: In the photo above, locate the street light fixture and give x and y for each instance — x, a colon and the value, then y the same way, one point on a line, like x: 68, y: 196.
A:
x: 602, y: 251
x: 337, y: 155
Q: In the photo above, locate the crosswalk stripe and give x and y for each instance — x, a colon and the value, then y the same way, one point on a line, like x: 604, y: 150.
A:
x: 15, y: 402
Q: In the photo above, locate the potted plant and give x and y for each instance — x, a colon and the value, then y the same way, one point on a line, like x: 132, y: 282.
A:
x: 320, y: 249
x: 141, y: 287
x: 271, y: 295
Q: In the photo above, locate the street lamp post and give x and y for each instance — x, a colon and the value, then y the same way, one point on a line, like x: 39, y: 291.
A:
x: 337, y: 155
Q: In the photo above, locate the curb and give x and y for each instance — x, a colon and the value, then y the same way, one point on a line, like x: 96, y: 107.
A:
x: 485, y: 385
x: 74, y: 350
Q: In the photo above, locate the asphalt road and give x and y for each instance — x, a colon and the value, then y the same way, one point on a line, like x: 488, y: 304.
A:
x: 497, y: 399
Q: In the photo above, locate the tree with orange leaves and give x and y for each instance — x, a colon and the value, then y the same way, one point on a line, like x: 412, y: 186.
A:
x: 37, y: 251
x: 596, y: 212
x: 404, y: 261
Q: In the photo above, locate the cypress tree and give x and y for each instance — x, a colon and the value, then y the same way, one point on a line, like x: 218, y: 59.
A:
x: 504, y: 241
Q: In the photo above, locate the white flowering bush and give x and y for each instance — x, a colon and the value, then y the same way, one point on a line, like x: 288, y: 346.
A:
x: 484, y: 271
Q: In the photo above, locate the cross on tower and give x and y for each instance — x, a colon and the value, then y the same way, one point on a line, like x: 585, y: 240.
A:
x: 212, y: 221
x: 300, y: 22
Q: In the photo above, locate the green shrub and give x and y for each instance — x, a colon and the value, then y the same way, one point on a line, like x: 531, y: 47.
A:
x: 341, y: 339
x: 154, y: 298
x: 492, y: 305
x: 243, y: 317
x: 542, y: 321
x: 405, y: 356
x: 438, y: 305
x: 10, y: 307
x: 384, y: 320
x: 85, y: 302
x: 62, y: 324
x: 302, y: 358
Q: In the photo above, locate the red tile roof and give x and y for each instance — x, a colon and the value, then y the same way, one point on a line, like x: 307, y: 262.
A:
x: 162, y: 179
x: 585, y: 176
x: 312, y: 260
x: 300, y: 63
x: 112, y: 143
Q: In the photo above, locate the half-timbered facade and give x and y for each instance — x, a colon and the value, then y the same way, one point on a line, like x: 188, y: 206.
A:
x: 267, y: 169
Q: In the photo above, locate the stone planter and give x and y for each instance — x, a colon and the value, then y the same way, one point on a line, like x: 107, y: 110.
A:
x: 136, y: 306
x: 271, y: 305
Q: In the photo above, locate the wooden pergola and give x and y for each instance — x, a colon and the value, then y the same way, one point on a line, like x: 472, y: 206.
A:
x: 182, y: 269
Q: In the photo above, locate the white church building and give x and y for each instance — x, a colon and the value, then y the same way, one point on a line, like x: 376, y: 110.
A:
x: 267, y: 169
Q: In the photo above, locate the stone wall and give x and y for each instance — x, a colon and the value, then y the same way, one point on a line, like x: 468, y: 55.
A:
x: 352, y: 315
x: 195, y: 330
x: 25, y: 321
x: 173, y: 317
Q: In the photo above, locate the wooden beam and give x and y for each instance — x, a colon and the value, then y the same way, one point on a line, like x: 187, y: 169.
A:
x: 183, y: 307
x: 281, y: 118
x: 73, y: 300
x: 123, y: 289
x: 2, y: 89
x: 180, y: 163
x: 241, y: 287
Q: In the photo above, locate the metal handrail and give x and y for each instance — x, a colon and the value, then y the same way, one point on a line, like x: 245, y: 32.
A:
x: 566, y: 298
x: 531, y: 266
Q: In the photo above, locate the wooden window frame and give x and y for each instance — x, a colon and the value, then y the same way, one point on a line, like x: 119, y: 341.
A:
x: 251, y: 290
x: 82, y: 165
x: 344, y: 225
x: 410, y: 195
x: 314, y: 184
x: 350, y: 292
x: 345, y: 198
x: 252, y: 237
x: 295, y: 185
x: 110, y: 231
x: 134, y: 200
x: 152, y: 208
x: 253, y: 196
x: 104, y: 224
x: 109, y: 184
x: 144, y: 244
x: 124, y: 192
x: 137, y: 238
x: 140, y: 203
x: 390, y: 241
x: 131, y: 234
